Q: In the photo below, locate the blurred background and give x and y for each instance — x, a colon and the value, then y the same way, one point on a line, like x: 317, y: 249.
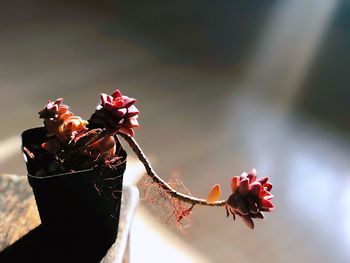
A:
x: 222, y: 86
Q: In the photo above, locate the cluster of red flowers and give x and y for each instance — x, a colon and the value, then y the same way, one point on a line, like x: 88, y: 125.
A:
x: 250, y: 197
x: 116, y: 113
x: 60, y: 122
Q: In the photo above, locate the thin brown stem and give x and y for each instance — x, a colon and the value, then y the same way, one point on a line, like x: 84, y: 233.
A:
x: 161, y: 183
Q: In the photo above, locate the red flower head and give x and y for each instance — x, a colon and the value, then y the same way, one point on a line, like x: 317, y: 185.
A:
x: 250, y: 197
x: 60, y: 122
x: 53, y: 109
x: 116, y: 113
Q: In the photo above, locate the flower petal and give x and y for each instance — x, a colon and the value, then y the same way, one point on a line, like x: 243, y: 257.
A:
x: 62, y: 109
x: 128, y: 102
x: 117, y: 94
x: 263, y: 180
x: 267, y: 186
x: 243, y: 175
x: 248, y: 221
x: 265, y: 204
x: 258, y: 215
x: 252, y: 175
x: 264, y: 194
x: 265, y: 209
x: 106, y: 98
x: 65, y: 116
x: 132, y: 111
x: 118, y: 103
x: 269, y: 196
x: 121, y: 112
x: 254, y: 189
x: 243, y: 187
x: 58, y: 102
x: 234, y: 183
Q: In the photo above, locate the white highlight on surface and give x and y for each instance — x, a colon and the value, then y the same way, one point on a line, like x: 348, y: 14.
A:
x: 314, y: 187
x: 134, y: 171
x: 287, y: 48
x: 152, y: 242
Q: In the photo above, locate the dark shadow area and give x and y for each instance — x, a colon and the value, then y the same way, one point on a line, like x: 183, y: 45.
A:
x: 44, y: 244
x: 325, y: 94
x: 79, y: 223
x: 203, y: 34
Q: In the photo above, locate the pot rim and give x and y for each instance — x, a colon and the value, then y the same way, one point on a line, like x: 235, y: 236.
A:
x: 61, y: 174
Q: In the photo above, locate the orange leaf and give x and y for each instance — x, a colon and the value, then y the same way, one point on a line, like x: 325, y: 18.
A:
x: 214, y: 194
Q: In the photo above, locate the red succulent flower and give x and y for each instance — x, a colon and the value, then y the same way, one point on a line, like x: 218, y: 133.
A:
x: 250, y: 197
x: 60, y: 122
x: 116, y: 113
x: 53, y: 109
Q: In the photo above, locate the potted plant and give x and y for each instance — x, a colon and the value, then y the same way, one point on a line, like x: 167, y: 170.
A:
x: 76, y: 167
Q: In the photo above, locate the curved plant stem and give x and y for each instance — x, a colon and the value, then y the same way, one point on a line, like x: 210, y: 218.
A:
x: 161, y: 183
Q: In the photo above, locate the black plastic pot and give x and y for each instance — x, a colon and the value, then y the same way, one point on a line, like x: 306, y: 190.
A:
x: 80, y: 208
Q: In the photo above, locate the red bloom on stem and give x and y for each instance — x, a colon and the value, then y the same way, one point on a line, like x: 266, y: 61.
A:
x: 53, y: 109
x: 116, y: 113
x: 60, y: 122
x: 250, y: 197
